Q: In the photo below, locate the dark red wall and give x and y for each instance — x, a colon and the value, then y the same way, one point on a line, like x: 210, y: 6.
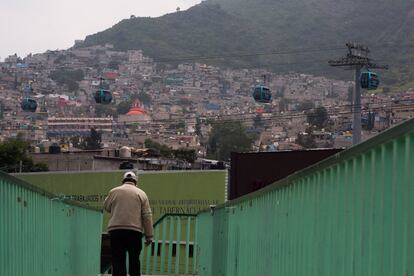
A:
x: 252, y: 171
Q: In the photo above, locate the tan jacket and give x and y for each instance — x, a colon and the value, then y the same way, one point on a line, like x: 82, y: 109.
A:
x: 130, y: 209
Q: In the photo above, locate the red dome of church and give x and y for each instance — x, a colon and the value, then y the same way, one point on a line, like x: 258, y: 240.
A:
x: 136, y: 111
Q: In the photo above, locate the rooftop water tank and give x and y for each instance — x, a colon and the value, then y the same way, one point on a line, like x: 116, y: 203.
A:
x: 54, y: 149
x: 125, y: 152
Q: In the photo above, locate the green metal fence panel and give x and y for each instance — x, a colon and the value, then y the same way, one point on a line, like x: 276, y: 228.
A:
x: 187, y: 247
x: 178, y: 247
x: 43, y: 235
x: 351, y: 214
x: 171, y: 253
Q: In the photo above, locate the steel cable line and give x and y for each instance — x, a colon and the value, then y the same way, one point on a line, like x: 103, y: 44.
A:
x: 241, y: 55
x: 249, y: 117
x: 273, y: 117
x: 270, y: 53
x: 283, y: 118
x: 214, y: 117
x: 287, y: 117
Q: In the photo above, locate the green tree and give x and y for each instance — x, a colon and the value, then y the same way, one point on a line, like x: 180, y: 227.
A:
x: 226, y: 138
x: 151, y: 144
x: 145, y: 98
x: 198, y: 127
x: 164, y: 150
x: 93, y: 142
x: 105, y: 110
x: 69, y: 78
x: 72, y: 85
x: 306, y: 105
x: 318, y: 117
x: 13, y: 156
x: 123, y: 107
x: 179, y: 126
x: 188, y: 155
x: 306, y: 139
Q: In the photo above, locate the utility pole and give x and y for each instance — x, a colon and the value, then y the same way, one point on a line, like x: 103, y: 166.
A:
x: 357, y: 58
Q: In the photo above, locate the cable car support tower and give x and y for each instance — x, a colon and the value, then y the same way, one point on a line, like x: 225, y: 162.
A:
x: 357, y: 58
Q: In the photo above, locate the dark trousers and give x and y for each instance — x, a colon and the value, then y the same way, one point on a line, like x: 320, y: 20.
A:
x: 123, y: 241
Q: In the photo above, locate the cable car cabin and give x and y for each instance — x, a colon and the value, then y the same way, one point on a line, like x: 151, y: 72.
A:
x: 29, y: 105
x: 103, y: 96
x: 262, y: 94
x: 369, y: 80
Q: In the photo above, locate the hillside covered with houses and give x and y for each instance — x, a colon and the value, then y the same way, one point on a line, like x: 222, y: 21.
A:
x: 176, y: 105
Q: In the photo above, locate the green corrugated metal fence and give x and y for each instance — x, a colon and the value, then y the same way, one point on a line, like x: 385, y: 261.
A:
x: 42, y: 235
x: 351, y: 214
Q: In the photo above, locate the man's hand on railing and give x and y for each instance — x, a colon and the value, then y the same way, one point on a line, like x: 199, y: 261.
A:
x: 148, y: 241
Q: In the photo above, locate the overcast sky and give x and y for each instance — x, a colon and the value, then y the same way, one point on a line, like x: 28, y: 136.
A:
x: 34, y: 26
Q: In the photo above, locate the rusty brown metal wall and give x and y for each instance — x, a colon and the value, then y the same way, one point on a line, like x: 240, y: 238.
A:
x: 252, y: 171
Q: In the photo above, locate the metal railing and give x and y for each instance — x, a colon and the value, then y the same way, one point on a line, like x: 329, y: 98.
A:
x: 43, y: 235
x: 172, y: 252
x: 351, y: 214
x: 173, y: 249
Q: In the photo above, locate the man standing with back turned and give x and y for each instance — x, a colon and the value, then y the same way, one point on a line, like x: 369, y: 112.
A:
x: 131, y: 218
